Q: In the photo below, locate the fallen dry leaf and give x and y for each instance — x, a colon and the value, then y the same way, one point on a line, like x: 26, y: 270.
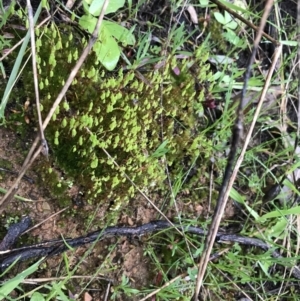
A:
x: 87, y: 297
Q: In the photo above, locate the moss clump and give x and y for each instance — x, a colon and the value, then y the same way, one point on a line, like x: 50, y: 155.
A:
x: 122, y: 114
x: 129, y: 119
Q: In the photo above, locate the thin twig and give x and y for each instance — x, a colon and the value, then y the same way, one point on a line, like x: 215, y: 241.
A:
x: 107, y: 291
x: 35, y: 281
x: 42, y: 222
x: 30, y: 157
x: 229, y: 177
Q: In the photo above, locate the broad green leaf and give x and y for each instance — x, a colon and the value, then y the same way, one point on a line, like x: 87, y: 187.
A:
x: 108, y: 52
x: 227, y: 18
x: 229, y: 22
x: 231, y: 37
x: 106, y: 48
x: 121, y: 33
x: 113, y: 5
x: 88, y: 23
x: 231, y: 25
x: 204, y: 3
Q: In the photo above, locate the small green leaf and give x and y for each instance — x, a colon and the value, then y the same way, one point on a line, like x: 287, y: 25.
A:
x: 219, y: 17
x: 58, y: 45
x: 108, y: 52
x: 69, y: 57
x: 66, y: 106
x: 75, y: 55
x: 64, y: 123
x: 161, y: 150
x: 88, y: 23
x: 74, y: 132
x: 227, y: 18
x: 106, y: 48
x: 72, y: 122
x: 36, y: 296
x: 121, y: 33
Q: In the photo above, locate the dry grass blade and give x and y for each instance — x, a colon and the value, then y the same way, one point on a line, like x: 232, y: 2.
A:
x: 35, y: 281
x: 229, y: 177
x: 35, y: 78
x: 51, y: 216
x: 164, y: 286
x: 31, y: 155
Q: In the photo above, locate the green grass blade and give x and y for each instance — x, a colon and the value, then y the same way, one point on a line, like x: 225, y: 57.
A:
x: 11, y: 284
x: 15, y: 70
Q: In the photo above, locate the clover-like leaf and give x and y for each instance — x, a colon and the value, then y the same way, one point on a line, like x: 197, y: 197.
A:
x: 106, y: 48
x: 113, y: 5
x: 219, y: 17
x: 107, y: 51
x: 121, y: 33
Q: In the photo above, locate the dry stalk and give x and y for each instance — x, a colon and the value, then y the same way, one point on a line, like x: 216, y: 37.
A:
x: 35, y: 79
x: 230, y: 175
